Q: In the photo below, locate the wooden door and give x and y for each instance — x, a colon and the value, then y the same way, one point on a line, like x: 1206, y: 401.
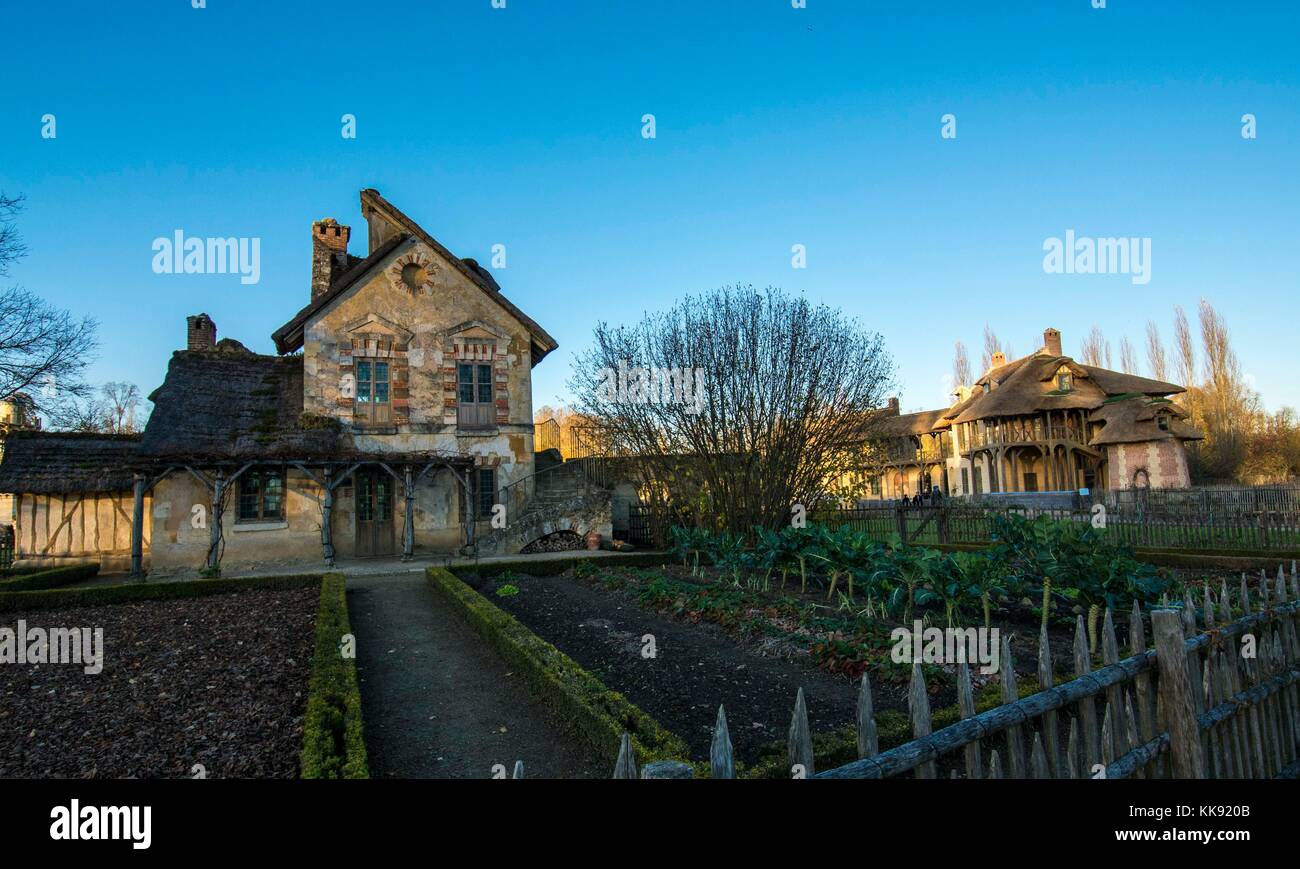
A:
x: 374, y: 534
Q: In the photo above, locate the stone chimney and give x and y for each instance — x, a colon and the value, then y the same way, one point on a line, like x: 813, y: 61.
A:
x: 893, y: 406
x: 1052, y: 342
x: 200, y: 332
x: 329, y: 253
x: 999, y: 359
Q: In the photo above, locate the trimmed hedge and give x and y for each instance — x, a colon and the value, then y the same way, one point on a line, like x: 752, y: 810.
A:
x: 99, y: 595
x: 602, y: 716
x: 555, y: 566
x: 332, y: 743
x: 49, y: 578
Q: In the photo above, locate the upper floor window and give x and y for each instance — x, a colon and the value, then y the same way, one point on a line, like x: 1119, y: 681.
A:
x: 474, y: 396
x: 1064, y: 379
x: 1162, y: 421
x: 261, y: 495
x: 373, y: 395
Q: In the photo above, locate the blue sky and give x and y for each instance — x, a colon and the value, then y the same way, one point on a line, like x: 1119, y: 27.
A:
x: 775, y: 126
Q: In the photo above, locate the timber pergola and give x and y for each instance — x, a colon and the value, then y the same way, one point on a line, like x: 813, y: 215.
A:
x: 328, y: 472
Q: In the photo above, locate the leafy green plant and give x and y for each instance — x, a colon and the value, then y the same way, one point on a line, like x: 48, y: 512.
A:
x: 508, y: 590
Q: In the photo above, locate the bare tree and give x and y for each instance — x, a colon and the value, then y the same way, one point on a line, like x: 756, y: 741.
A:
x: 43, y: 350
x: 1156, y: 352
x: 960, y: 365
x: 991, y: 345
x: 1094, y: 349
x: 781, y: 394
x: 1185, y: 349
x: 1128, y: 361
x: 121, y: 403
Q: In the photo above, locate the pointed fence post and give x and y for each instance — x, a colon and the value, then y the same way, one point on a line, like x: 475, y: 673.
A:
x: 868, y: 738
x: 721, y: 761
x: 966, y: 706
x: 919, y: 704
x: 1010, y: 694
x: 625, y: 766
x: 1180, y: 708
x: 799, y: 743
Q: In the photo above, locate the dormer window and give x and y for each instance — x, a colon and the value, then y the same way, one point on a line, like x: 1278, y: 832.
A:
x: 1064, y: 379
x: 1162, y: 421
x: 985, y: 384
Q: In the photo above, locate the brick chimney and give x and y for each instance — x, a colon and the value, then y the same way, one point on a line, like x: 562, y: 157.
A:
x: 999, y: 359
x: 893, y: 406
x: 329, y: 253
x: 1052, y: 342
x: 200, y: 332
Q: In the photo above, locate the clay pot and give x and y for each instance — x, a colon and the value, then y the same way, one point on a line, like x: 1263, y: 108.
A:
x: 593, y: 539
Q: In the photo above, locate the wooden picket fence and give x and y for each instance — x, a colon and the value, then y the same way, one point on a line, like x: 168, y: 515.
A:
x: 962, y: 523
x: 1222, y: 702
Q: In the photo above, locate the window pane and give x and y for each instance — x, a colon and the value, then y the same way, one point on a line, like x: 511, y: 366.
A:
x: 383, y: 500
x: 363, y: 371
x: 381, y: 372
x: 466, y: 373
x: 381, y: 392
x: 249, y: 494
x: 273, y: 496
x: 485, y: 393
x: 487, y: 491
x: 363, y: 392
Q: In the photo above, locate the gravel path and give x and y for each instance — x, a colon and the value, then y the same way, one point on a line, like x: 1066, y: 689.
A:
x: 438, y: 702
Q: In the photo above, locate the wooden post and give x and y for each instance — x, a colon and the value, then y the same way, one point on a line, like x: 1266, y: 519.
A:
x: 625, y: 765
x: 1176, y: 695
x: 327, y: 513
x: 868, y: 740
x: 471, y: 513
x: 214, y: 522
x: 799, y: 742
x: 137, y: 529
x: 721, y: 761
x: 918, y: 702
x: 408, y: 531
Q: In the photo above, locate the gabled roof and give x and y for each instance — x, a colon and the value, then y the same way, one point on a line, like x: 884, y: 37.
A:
x: 289, y: 337
x: 43, y: 462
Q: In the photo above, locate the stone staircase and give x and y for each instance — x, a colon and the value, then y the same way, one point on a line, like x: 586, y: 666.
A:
x: 564, y: 499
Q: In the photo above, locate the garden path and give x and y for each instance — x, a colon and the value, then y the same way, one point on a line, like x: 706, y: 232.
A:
x: 438, y: 702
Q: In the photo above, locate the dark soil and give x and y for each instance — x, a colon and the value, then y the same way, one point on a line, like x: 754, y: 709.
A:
x: 696, y: 667
x: 219, y: 681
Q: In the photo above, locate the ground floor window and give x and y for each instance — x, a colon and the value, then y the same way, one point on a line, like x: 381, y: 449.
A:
x: 485, y: 490
x: 261, y: 495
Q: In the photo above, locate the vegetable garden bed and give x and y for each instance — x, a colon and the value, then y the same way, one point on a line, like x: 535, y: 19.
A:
x: 213, y: 685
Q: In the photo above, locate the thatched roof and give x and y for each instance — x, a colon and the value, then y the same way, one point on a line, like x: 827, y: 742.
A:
x: 1135, y: 418
x: 43, y: 462
x: 922, y: 422
x: 231, y: 403
x: 1028, y: 386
